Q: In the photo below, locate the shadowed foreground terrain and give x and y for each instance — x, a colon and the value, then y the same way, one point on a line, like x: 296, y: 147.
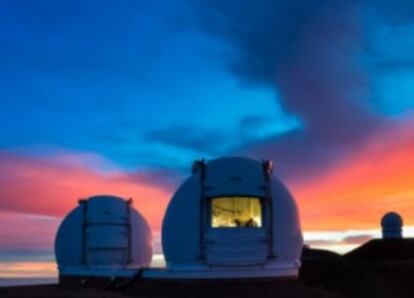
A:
x: 379, y: 268
x: 167, y: 289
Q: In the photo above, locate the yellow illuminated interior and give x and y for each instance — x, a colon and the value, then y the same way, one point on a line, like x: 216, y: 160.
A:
x: 232, y: 212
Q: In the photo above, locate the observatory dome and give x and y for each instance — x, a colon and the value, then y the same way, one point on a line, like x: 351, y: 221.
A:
x: 103, y: 236
x: 391, y: 224
x: 232, y: 218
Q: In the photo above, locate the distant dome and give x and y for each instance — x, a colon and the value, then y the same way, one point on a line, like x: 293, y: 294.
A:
x: 103, y: 235
x: 391, y: 224
x: 232, y: 213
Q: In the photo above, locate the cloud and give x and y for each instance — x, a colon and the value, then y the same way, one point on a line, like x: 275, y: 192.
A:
x: 340, y: 241
x: 211, y: 143
x: 52, y: 186
x: 351, y: 194
x: 28, y: 269
x: 307, y: 50
x: 26, y: 244
x: 189, y: 137
x: 342, y: 245
x: 356, y: 191
x: 399, y: 12
x: 314, y: 54
x: 26, y: 233
x: 358, y: 239
x: 162, y: 178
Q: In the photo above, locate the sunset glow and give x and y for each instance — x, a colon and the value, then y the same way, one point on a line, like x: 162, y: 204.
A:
x: 356, y: 192
x: 28, y: 269
x: 102, y: 98
x: 351, y: 196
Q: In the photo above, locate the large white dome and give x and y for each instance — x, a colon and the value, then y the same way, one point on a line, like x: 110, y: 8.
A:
x: 104, y: 235
x: 233, y: 218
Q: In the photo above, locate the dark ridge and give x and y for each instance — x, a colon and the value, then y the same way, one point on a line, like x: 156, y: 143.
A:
x: 383, y: 250
x: 321, y: 268
x: 319, y: 253
x: 54, y: 291
x: 380, y: 268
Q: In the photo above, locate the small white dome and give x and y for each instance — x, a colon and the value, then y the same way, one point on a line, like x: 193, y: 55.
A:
x: 392, y: 224
x: 102, y: 234
x: 232, y: 213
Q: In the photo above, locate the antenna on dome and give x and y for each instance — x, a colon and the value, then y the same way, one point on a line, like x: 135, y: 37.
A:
x: 198, y: 165
x: 267, y: 167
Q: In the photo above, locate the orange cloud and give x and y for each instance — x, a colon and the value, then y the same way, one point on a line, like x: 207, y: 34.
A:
x: 28, y: 269
x: 356, y: 192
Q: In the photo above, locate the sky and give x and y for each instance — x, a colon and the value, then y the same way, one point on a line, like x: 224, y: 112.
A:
x: 104, y: 97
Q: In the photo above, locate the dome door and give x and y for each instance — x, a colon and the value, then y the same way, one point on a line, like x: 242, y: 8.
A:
x: 235, y: 233
x: 106, y: 234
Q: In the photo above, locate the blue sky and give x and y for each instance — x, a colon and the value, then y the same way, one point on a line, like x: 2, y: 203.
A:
x: 97, y: 77
x: 143, y: 83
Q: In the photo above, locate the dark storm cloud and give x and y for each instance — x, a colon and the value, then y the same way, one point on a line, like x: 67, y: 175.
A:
x: 311, y: 53
x: 396, y: 12
x: 212, y: 142
x: 305, y: 49
x: 189, y: 137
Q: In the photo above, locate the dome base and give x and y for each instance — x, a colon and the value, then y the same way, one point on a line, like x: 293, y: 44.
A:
x: 81, y: 271
x: 82, y: 277
x: 201, y: 271
x: 101, y: 281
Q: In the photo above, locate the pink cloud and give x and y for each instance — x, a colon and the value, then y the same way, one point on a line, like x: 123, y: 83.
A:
x: 52, y: 186
x: 25, y: 231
